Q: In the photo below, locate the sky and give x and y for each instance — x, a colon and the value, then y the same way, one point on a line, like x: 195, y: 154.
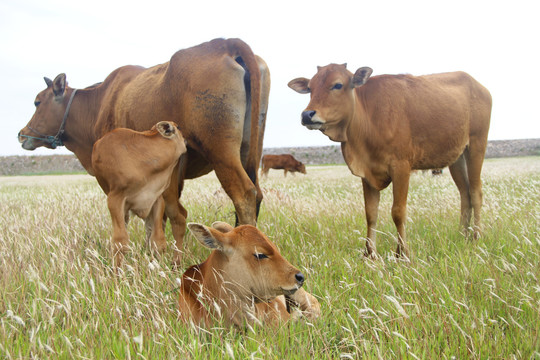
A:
x: 497, y: 42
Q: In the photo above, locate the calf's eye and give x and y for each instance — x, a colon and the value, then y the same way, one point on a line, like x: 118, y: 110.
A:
x: 36, y: 103
x: 260, y: 256
x: 337, y: 86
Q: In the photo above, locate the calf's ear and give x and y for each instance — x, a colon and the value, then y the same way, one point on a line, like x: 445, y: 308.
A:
x: 166, y: 129
x: 208, y: 237
x: 222, y: 226
x: 361, y: 76
x: 300, y: 85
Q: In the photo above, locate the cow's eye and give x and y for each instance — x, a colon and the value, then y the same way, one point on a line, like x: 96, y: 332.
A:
x: 260, y: 256
x: 337, y: 86
x: 37, y: 102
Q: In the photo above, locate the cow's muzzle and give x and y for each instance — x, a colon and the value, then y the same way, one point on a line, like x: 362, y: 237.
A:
x: 310, y: 121
x: 26, y: 143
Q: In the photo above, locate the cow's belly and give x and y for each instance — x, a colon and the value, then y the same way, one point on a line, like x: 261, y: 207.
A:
x: 141, y: 202
x: 436, y: 155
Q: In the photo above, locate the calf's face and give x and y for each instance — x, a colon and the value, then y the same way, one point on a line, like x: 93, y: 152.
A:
x: 245, y: 258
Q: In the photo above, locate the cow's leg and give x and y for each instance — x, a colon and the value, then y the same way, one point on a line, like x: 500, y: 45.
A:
x: 307, y: 303
x: 458, y: 170
x: 258, y: 198
x: 119, y: 241
x: 475, y: 158
x: 371, y: 202
x: 176, y: 213
x: 153, y: 221
x: 239, y: 188
x: 400, y: 189
x: 284, y: 172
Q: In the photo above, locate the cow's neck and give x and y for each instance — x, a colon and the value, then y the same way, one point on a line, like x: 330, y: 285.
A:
x: 360, y: 150
x: 221, y: 290
x: 80, y: 134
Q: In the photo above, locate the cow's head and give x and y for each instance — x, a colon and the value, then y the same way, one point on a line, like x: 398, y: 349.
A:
x: 249, y: 261
x: 301, y: 167
x: 46, y: 123
x: 332, y: 102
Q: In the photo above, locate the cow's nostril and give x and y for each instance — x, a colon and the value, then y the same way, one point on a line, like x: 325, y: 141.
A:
x: 300, y: 277
x: 308, y: 114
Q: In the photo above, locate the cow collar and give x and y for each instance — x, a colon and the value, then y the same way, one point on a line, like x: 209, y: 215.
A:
x: 55, y: 140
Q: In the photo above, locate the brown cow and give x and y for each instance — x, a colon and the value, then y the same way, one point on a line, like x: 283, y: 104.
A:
x: 286, y: 162
x: 242, y: 281
x: 393, y: 124
x: 216, y: 92
x: 134, y: 169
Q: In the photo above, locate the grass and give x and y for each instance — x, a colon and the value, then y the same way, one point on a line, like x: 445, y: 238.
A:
x: 458, y: 298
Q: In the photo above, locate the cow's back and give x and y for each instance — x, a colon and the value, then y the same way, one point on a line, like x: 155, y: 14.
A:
x: 426, y: 119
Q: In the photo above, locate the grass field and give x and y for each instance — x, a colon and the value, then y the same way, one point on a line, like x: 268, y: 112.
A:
x: 457, y: 299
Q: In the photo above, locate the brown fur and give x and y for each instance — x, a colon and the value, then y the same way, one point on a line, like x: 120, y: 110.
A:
x: 286, y: 162
x: 236, y: 287
x: 202, y: 89
x: 134, y: 169
x: 393, y: 124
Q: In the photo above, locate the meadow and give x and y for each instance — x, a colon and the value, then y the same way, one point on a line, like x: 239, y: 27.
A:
x: 457, y: 299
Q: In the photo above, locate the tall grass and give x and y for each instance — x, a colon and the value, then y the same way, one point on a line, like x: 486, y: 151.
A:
x: 458, y: 298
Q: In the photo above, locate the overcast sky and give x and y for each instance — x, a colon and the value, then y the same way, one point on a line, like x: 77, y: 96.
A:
x: 496, y: 42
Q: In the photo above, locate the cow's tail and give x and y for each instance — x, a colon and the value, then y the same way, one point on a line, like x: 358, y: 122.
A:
x: 240, y: 49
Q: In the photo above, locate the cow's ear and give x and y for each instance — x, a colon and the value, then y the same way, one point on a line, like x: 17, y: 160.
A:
x: 166, y: 129
x: 59, y: 85
x: 361, y: 76
x: 222, y: 226
x: 48, y: 81
x: 300, y: 85
x: 208, y: 237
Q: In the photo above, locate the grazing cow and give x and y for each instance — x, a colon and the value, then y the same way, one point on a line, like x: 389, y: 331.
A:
x: 134, y: 169
x: 286, y: 162
x: 393, y: 124
x: 242, y: 281
x: 217, y: 93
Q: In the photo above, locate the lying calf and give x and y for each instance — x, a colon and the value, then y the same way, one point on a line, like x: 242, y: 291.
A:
x: 134, y: 168
x: 242, y: 281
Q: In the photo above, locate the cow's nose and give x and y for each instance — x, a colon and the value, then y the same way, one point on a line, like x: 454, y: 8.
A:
x: 307, y: 117
x: 300, y: 278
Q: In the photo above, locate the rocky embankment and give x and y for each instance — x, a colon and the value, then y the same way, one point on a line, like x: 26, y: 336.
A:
x: 26, y: 165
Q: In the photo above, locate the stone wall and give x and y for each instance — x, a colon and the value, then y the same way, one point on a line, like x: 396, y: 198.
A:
x: 22, y: 165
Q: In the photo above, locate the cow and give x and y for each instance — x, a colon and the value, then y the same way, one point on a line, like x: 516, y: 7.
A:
x: 392, y: 124
x: 286, y: 162
x: 244, y: 280
x: 217, y: 92
x: 134, y: 169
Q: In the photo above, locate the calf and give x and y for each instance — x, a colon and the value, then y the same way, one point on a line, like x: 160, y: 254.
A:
x: 244, y: 279
x: 134, y: 168
x: 286, y: 162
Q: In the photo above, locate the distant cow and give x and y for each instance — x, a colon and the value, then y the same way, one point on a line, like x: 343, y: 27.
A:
x: 393, y: 124
x: 134, y: 169
x: 244, y: 280
x: 286, y: 162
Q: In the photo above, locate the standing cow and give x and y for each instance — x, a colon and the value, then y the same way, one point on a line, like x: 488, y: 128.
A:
x: 286, y: 162
x: 392, y: 124
x: 217, y: 93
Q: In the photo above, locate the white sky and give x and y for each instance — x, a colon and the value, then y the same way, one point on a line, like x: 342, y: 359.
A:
x: 496, y: 42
